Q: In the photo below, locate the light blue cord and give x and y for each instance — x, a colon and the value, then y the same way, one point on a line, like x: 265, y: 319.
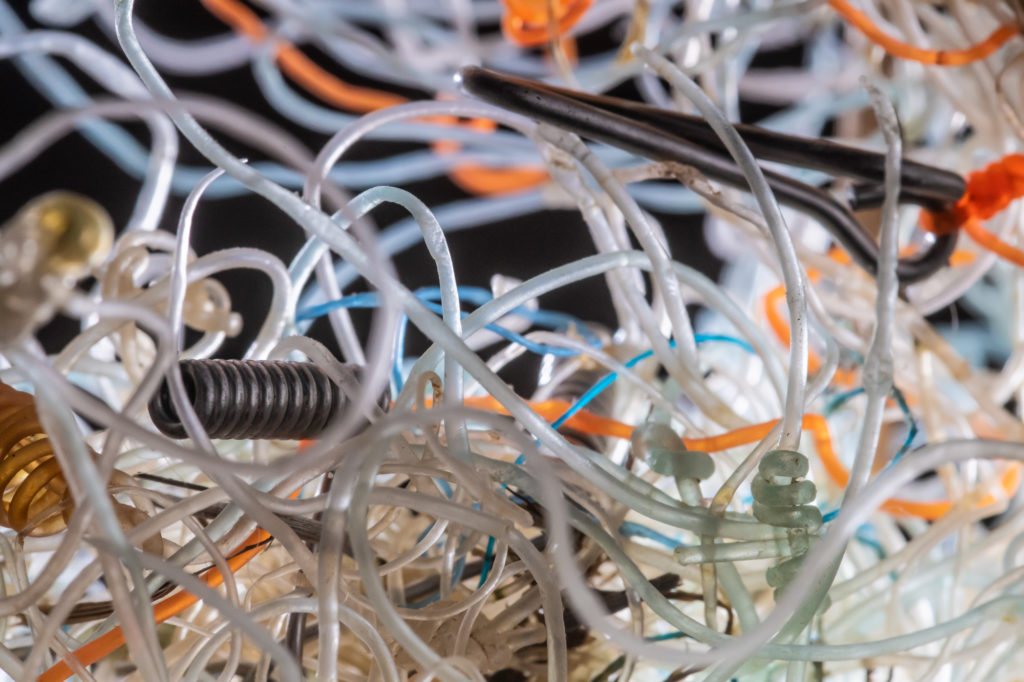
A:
x: 543, y: 318
x: 475, y: 295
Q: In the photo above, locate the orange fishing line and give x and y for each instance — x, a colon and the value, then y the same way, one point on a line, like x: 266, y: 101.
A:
x: 898, y: 48
x: 471, y: 178
x: 815, y: 424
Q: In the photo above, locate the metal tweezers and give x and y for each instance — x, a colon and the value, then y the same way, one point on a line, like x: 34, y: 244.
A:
x: 664, y: 135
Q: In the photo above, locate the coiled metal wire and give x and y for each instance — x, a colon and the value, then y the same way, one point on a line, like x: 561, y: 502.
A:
x: 252, y: 399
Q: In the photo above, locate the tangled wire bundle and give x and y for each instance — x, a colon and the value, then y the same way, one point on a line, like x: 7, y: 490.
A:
x: 716, y: 360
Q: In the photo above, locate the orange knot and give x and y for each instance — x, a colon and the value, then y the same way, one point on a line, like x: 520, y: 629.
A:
x: 527, y: 23
x: 948, y: 221
x: 989, y: 191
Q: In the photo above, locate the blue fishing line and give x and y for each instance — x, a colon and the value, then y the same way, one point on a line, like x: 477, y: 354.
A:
x: 636, y: 530
x: 604, y: 383
x: 911, y: 424
x: 475, y: 295
x: 543, y: 318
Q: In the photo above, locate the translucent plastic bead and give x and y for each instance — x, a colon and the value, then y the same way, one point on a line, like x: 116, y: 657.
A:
x: 783, y: 500
x: 664, y: 452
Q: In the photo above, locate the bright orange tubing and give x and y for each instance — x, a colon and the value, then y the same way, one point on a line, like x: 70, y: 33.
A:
x: 961, y: 258
x: 525, y: 22
x: 473, y: 179
x: 238, y: 17
x: 583, y: 421
x: 930, y: 511
x: 898, y: 48
x: 327, y: 87
x: 590, y: 423
x: 989, y: 191
x: 775, y: 320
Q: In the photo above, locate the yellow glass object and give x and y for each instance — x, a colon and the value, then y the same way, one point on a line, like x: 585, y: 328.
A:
x: 73, y: 232
x: 45, y: 248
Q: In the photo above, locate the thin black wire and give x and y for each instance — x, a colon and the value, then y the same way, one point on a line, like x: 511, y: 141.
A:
x: 666, y: 136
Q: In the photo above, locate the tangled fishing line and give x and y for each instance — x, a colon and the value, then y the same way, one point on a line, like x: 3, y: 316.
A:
x: 801, y: 468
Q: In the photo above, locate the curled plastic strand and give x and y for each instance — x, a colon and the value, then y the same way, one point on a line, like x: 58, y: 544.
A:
x: 36, y: 499
x: 107, y: 643
x: 473, y: 178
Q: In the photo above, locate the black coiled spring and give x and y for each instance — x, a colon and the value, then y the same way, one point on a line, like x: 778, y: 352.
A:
x: 252, y: 399
x: 782, y: 498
